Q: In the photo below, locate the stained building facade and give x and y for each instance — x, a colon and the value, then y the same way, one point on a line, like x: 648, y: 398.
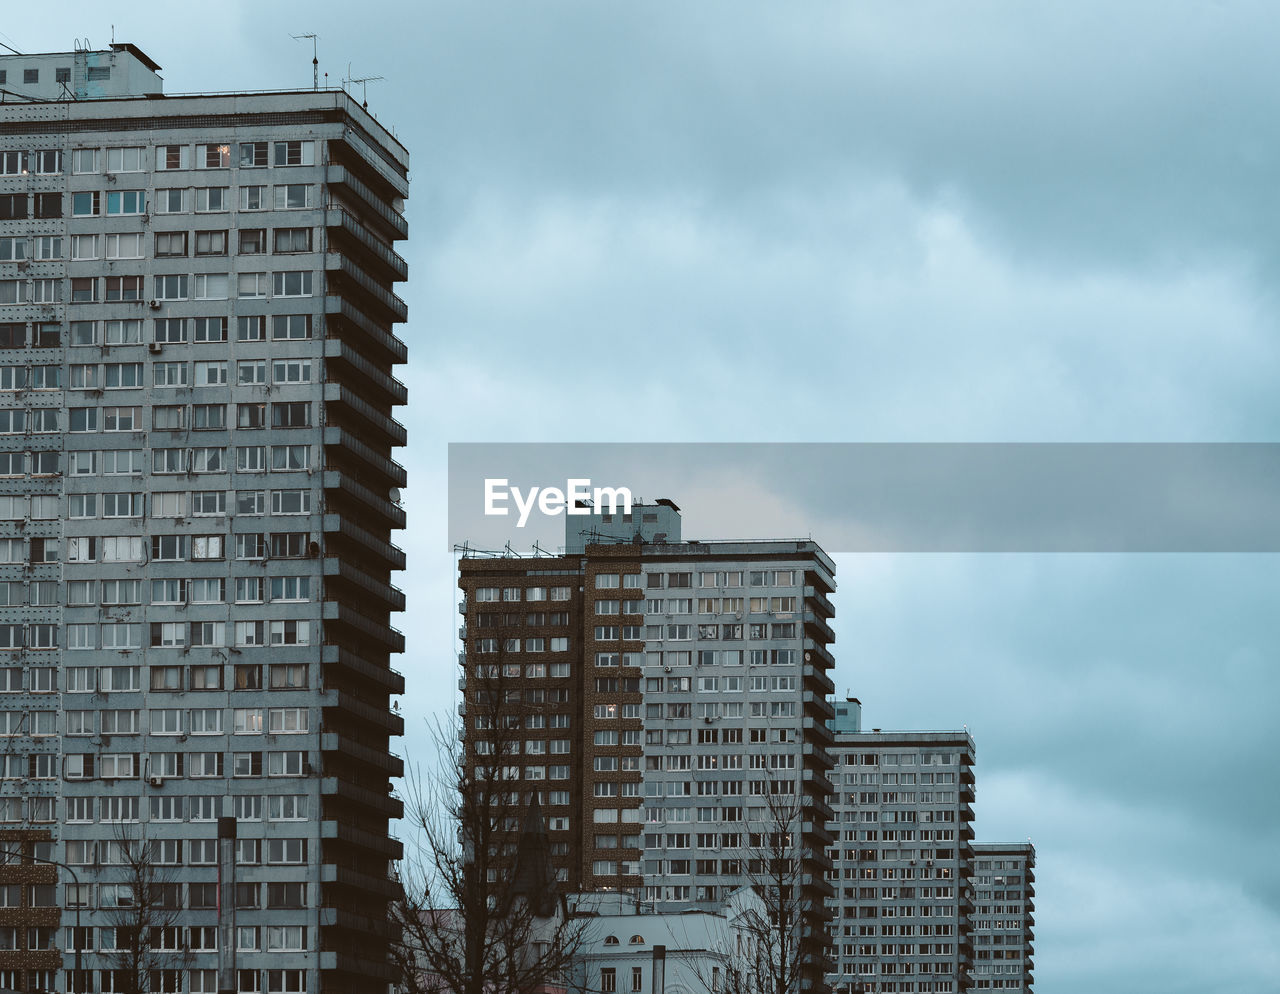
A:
x: 197, y: 502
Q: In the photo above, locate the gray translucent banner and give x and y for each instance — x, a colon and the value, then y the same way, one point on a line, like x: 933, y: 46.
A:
x: 900, y: 497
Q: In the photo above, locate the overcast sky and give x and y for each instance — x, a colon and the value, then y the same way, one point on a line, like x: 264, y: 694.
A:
x: 904, y: 221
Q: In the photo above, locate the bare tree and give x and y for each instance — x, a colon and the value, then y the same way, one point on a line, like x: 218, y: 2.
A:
x: 479, y: 910
x: 151, y: 951
x: 764, y: 949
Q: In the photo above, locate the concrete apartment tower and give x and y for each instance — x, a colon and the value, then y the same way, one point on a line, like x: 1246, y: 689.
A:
x: 1004, y: 882
x: 919, y: 908
x: 901, y: 857
x: 197, y: 500
x: 673, y: 696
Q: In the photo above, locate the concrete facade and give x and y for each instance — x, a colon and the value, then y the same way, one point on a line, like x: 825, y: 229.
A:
x: 197, y: 498
x: 1004, y: 920
x: 677, y: 695
x: 901, y: 859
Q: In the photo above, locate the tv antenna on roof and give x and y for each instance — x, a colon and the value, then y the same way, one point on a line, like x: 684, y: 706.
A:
x: 315, y: 58
x: 363, y: 81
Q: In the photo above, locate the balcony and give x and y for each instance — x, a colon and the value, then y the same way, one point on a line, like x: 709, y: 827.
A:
x: 382, y: 801
x: 349, y: 960
x: 818, y: 654
x: 816, y: 628
x: 817, y: 679
x: 387, y: 720
x: 395, y: 269
x: 342, y: 832
x: 817, y: 727
x: 387, y: 468
x: 394, y: 309
x: 393, y: 392
x: 390, y: 639
x: 817, y: 807
x: 824, y: 759
x: 335, y: 873
x: 392, y: 432
x: 387, y: 555
x: 819, y: 602
x: 383, y: 677
x: 392, y: 221
x: 389, y: 763
x: 393, y: 514
x: 334, y: 305
x: 351, y: 147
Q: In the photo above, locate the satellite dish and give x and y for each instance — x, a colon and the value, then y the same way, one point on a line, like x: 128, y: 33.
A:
x: 394, y: 495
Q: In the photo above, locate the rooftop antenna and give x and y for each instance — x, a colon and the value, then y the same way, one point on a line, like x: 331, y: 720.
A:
x: 363, y: 81
x: 315, y: 58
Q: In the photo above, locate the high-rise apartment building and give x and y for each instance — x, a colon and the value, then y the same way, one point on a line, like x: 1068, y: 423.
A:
x: 197, y: 500
x: 672, y: 697
x: 901, y: 859
x: 1004, y: 920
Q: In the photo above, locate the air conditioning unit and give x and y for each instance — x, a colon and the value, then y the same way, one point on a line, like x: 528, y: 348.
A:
x: 155, y: 781
x: 154, y: 304
x: 666, y: 669
x: 155, y: 348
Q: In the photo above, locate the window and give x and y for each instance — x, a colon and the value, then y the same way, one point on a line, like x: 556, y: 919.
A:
x: 172, y: 287
x: 253, y: 155
x: 84, y: 247
x: 248, y: 286
x: 291, y: 284
x: 293, y: 196
x: 211, y: 243
x: 251, y: 372
x: 208, y: 417
x: 209, y: 199
x: 169, y: 244
x: 251, y: 415
x: 211, y: 373
x: 253, y: 198
x: 84, y: 160
x: 123, y: 246
x: 168, y: 201
x: 216, y: 156
x: 121, y: 202
x: 209, y: 329
x: 290, y: 502
x: 290, y: 327
x: 84, y: 289
x: 286, y: 764
x: 173, y: 157
x: 210, y: 286
x: 253, y: 241
x: 291, y: 371
x: 124, y: 288
x: 124, y: 160
x: 48, y: 161
x: 251, y: 458
x: 609, y: 978
x: 294, y: 153
x: 285, y: 458
x: 127, y: 332
x: 170, y: 331
x: 292, y: 240
x: 294, y: 414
